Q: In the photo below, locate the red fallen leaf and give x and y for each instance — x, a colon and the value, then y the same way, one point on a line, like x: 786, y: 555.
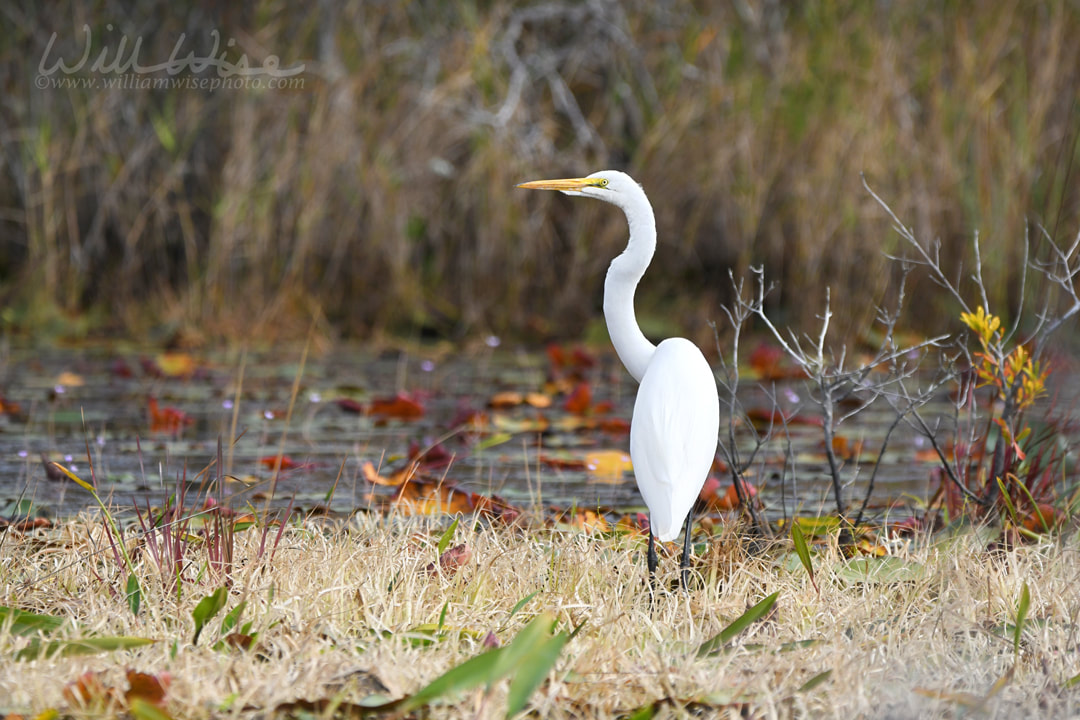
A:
x: 119, y: 368
x: 7, y: 407
x: 435, y: 457
x: 769, y: 362
x: 145, y: 686
x: 614, y: 426
x: 287, y: 463
x: 556, y: 356
x: 729, y: 500
x: 399, y: 407
x: 635, y: 522
x: 908, y: 526
x: 582, y: 359
x: 168, y: 419
x: 563, y: 463
x: 399, y: 478
x: 719, y: 466
x: 580, y: 399
x: 350, y: 405
x: 450, y: 561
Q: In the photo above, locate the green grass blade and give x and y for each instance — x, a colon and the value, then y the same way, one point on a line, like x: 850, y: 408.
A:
x: 815, y: 681
x: 144, y: 710
x: 803, y: 552
x: 1021, y: 617
x: 444, y: 541
x: 717, y: 642
x: 232, y: 618
x: 528, y: 638
x: 207, y: 608
x: 521, y: 603
x: 82, y: 646
x: 1008, y: 502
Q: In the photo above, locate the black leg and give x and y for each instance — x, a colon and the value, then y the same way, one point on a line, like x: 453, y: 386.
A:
x: 685, y: 564
x: 652, y: 563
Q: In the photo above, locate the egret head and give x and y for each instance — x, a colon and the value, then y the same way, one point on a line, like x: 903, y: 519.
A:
x: 611, y: 185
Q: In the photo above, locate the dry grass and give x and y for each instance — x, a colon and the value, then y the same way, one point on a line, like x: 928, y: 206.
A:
x: 382, y: 191
x: 335, y: 608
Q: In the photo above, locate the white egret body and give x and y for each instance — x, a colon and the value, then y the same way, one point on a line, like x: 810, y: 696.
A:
x: 676, y: 420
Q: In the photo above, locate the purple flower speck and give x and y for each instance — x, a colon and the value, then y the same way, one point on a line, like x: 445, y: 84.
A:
x: 227, y: 404
x: 791, y: 395
x: 492, y: 341
x: 23, y: 453
x: 427, y: 365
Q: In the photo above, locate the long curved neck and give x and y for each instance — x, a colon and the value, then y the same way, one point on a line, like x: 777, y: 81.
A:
x: 626, y: 270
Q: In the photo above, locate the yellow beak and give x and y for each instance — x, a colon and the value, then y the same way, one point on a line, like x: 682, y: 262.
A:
x: 566, y: 184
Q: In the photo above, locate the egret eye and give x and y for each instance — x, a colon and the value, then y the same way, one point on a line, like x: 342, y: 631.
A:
x: 603, y: 182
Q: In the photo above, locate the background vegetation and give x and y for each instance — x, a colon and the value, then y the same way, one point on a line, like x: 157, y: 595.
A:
x: 380, y: 195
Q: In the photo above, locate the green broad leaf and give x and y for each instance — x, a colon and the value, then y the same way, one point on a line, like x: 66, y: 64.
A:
x: 232, y: 618
x: 532, y: 670
x: 207, y: 608
x: 81, y: 646
x: 1021, y: 617
x: 444, y: 541
x: 803, y: 552
x: 815, y: 681
x: 717, y: 643
x: 24, y: 622
x: 469, y: 674
x: 134, y: 593
x: 878, y: 570
x: 536, y: 632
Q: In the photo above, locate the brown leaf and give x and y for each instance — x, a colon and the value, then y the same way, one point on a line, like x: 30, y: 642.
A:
x: 580, y: 399
x: 145, y: 686
x: 400, y: 407
x: 451, y: 560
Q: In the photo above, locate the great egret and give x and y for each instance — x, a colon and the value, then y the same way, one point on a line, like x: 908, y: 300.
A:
x: 676, y: 420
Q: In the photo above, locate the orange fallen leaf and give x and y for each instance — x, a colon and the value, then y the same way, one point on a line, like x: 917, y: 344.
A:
x: 398, y: 478
x: 70, y: 379
x: 506, y: 399
x: 607, y: 464
x: 176, y: 365
x: 287, y: 463
x: 728, y: 500
x: 538, y: 400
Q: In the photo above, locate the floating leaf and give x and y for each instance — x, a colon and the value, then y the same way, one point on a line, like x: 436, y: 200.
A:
x: 176, y: 365
x: 70, y: 379
x: 400, y: 407
x: 607, y: 465
x: 580, y: 400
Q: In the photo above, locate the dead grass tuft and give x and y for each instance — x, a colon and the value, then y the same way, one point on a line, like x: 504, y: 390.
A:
x: 349, y: 611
